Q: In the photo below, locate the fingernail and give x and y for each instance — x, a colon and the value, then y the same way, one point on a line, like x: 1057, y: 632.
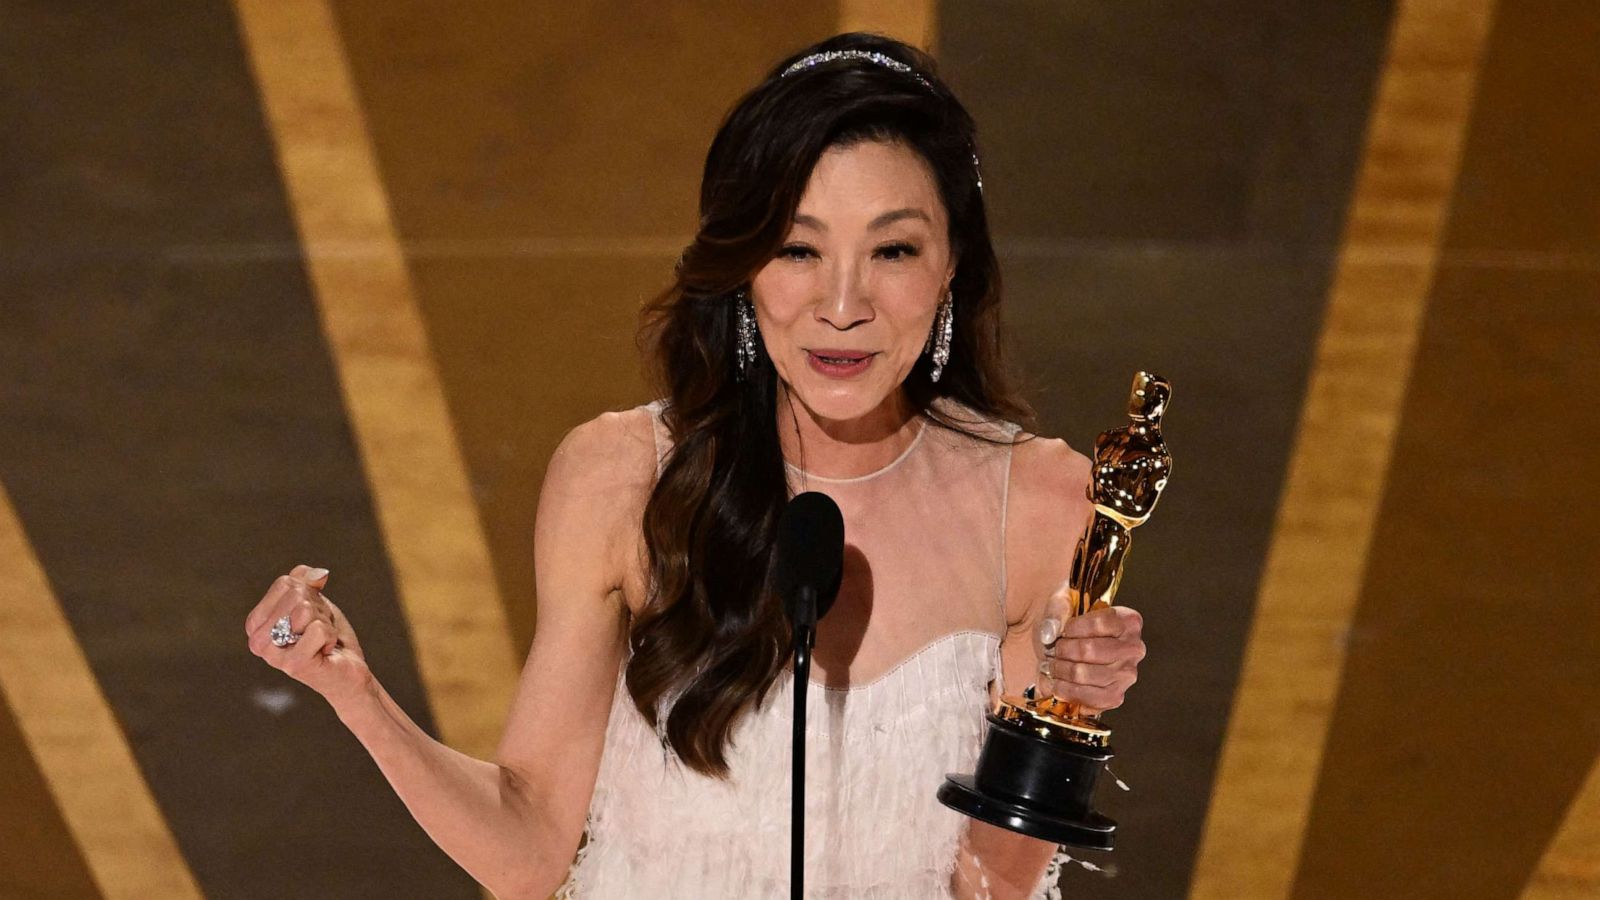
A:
x: 316, y: 574
x: 1049, y: 630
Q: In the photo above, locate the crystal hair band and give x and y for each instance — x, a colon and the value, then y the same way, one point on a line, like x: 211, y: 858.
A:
x: 879, y: 59
x: 872, y: 56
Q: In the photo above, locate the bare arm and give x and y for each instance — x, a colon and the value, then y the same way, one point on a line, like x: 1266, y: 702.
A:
x: 513, y: 823
x: 1046, y: 513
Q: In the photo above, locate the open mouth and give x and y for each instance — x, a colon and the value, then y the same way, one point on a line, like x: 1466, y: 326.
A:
x: 839, y: 363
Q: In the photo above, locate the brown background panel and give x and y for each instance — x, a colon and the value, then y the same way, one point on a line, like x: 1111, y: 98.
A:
x: 535, y: 346
x: 1527, y: 194
x: 1214, y: 122
x: 37, y: 855
x: 543, y: 164
x: 514, y: 119
x: 175, y: 438
x: 1467, y: 717
x: 1168, y: 192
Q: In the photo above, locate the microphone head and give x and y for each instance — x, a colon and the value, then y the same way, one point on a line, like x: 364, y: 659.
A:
x: 809, y: 554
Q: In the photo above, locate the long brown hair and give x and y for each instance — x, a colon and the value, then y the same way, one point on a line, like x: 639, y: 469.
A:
x: 711, y: 639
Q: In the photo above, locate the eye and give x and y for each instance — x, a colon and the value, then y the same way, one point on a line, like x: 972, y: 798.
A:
x: 795, y: 252
x: 897, y: 251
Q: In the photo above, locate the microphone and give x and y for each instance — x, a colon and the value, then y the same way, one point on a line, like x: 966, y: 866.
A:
x: 808, y: 560
x: 807, y: 564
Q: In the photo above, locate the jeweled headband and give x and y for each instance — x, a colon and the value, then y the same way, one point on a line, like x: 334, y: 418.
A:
x: 880, y: 59
x: 872, y: 56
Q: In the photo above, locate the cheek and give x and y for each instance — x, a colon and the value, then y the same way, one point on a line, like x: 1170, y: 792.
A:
x: 780, y: 299
x: 913, y: 322
x: 783, y: 302
x: 783, y: 290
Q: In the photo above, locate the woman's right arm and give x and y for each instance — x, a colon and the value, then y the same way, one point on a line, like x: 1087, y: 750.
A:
x: 512, y: 823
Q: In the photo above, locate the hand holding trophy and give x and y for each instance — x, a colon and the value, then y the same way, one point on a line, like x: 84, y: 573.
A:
x: 1037, y: 769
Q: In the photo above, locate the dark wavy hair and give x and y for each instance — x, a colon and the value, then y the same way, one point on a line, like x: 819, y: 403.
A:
x: 712, y: 639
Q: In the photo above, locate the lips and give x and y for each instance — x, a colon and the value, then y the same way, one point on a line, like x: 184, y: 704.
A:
x: 836, y: 363
x: 828, y: 354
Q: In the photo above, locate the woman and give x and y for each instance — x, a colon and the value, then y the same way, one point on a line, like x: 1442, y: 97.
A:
x: 834, y: 327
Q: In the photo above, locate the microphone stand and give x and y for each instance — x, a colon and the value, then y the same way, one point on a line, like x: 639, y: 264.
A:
x: 805, y: 635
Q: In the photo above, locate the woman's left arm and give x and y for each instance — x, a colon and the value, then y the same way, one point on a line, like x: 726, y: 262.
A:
x: 1093, y: 660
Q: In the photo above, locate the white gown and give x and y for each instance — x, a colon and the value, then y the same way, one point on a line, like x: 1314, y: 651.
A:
x: 929, y: 531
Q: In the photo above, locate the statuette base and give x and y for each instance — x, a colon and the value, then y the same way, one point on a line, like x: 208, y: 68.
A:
x: 1034, y: 785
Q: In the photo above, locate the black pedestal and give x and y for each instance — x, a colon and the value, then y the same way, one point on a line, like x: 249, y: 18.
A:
x: 1034, y: 786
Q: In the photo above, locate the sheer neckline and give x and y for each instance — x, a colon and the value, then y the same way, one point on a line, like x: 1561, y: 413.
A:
x: 923, y: 429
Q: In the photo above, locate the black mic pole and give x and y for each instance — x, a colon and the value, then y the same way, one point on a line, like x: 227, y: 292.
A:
x: 804, y: 636
x: 807, y: 565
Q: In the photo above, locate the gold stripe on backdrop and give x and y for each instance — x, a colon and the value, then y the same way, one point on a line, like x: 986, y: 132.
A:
x: 1570, y: 868
x: 914, y: 21
x: 1267, y: 775
x: 380, y: 349
x: 74, y: 736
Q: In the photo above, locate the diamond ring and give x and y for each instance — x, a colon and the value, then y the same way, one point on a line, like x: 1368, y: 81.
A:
x: 281, y: 635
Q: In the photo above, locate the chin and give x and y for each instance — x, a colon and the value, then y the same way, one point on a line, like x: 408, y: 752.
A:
x: 839, y: 402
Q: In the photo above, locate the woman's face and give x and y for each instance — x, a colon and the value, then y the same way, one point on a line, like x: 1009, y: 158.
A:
x: 847, y: 304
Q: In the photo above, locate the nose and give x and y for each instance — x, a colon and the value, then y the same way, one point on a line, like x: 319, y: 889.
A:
x: 847, y: 302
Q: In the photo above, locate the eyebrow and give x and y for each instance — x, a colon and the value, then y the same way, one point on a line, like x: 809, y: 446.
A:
x: 888, y: 218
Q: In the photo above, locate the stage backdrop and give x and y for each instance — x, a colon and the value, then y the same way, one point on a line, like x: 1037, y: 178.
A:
x: 326, y: 281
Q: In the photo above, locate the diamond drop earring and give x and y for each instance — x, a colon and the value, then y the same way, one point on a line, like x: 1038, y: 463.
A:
x: 939, y: 337
x: 746, y: 324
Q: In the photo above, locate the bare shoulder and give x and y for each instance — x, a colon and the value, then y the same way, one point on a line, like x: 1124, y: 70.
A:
x: 614, y: 451
x: 1048, y: 463
x: 1046, y: 511
x: 599, y: 480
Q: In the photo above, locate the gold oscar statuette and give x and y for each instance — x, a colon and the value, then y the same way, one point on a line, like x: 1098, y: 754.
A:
x: 1036, y: 772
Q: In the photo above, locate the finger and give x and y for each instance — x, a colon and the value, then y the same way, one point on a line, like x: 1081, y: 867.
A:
x: 1093, y: 700
x: 1097, y: 622
x: 264, y: 640
x: 1103, y: 621
x: 317, y: 640
x: 1049, y: 630
x: 270, y: 602
x: 1063, y: 672
x: 312, y: 575
x: 1098, y: 696
x: 1057, y: 610
x: 336, y: 616
x: 305, y: 611
x: 291, y: 598
x: 302, y: 574
x: 1047, y: 686
x: 269, y: 641
x: 291, y: 594
x: 341, y: 626
x: 1100, y: 650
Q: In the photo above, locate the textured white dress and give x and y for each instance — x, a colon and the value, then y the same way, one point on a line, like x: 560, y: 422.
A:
x: 923, y: 608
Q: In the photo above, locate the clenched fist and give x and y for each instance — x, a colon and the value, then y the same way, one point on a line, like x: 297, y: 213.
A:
x: 326, y: 657
x: 1092, y: 659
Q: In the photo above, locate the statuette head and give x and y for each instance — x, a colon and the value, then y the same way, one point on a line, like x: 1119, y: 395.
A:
x: 1148, y: 399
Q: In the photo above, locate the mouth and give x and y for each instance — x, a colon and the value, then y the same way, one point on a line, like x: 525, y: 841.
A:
x: 839, y: 363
